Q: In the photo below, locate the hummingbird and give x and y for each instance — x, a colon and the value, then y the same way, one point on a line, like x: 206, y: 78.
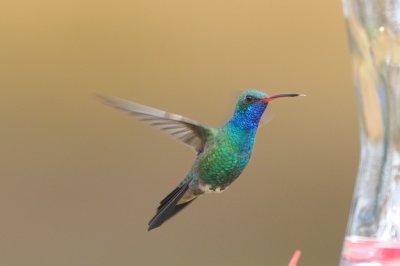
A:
x: 222, y: 153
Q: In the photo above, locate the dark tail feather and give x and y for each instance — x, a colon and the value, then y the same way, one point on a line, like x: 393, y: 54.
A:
x: 168, y: 206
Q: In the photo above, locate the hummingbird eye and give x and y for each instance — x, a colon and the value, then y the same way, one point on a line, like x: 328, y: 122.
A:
x: 250, y: 98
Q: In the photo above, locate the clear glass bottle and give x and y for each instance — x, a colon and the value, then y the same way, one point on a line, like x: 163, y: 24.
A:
x: 373, y: 231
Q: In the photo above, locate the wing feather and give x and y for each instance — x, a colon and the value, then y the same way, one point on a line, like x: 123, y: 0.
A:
x: 187, y: 130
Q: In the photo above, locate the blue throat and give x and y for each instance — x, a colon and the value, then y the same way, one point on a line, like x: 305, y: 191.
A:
x: 242, y: 127
x: 248, y: 118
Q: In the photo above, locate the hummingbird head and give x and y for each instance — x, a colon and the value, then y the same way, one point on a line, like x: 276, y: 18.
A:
x: 251, y: 105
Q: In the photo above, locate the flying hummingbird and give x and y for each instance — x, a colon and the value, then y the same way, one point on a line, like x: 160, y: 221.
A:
x: 222, y: 153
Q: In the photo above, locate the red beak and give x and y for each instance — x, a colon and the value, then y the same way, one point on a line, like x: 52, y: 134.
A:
x: 273, y: 97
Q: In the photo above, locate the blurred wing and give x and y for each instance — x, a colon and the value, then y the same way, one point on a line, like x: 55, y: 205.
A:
x: 266, y: 118
x: 189, y: 131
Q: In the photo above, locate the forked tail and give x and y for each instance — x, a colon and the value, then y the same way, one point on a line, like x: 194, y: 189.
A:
x: 172, y: 204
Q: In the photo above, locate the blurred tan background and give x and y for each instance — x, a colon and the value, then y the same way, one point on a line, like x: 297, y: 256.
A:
x: 79, y: 180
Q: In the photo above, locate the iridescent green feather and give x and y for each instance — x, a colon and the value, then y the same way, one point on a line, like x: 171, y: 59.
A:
x: 227, y: 158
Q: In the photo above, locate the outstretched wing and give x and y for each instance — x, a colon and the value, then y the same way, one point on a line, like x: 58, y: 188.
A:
x: 189, y: 131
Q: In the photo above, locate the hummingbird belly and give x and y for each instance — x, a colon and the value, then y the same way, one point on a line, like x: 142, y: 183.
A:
x: 219, y: 167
